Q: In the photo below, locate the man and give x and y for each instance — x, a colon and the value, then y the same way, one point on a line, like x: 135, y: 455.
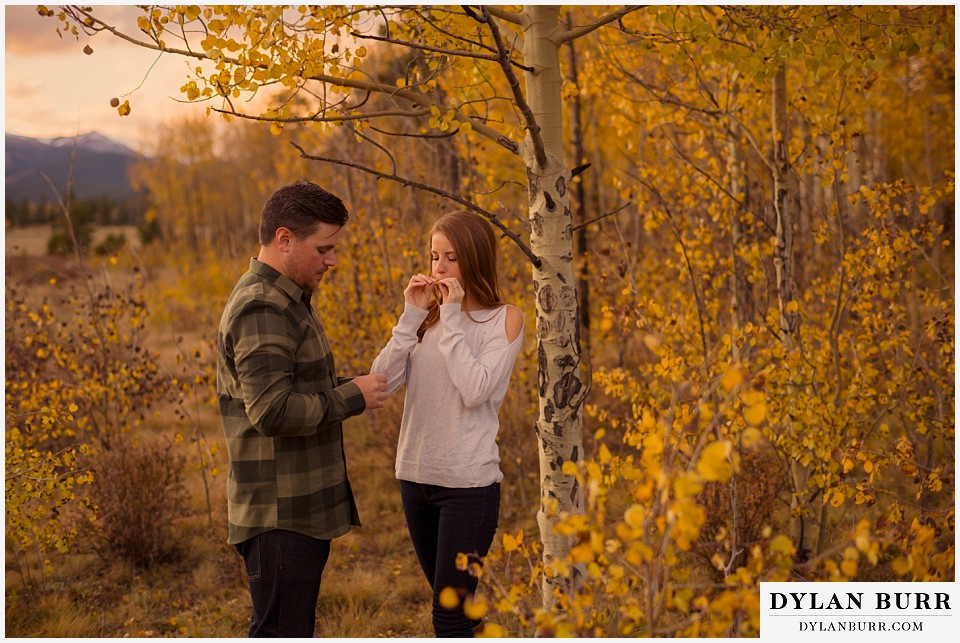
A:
x: 281, y: 405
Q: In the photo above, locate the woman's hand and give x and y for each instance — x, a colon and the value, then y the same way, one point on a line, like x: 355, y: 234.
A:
x: 417, y: 291
x: 450, y: 290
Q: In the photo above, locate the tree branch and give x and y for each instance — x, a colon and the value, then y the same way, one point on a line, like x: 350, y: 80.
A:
x: 478, y: 126
x: 506, y: 16
x: 602, y: 216
x: 316, y: 118
x: 459, y: 53
x: 533, y: 127
x: 534, y: 259
x: 577, y: 32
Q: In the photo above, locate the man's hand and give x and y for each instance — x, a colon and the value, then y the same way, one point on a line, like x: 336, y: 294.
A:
x: 374, y: 389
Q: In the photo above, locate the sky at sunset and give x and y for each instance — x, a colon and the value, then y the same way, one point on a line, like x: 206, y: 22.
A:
x: 53, y: 89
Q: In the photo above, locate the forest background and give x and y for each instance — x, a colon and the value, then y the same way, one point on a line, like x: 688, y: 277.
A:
x: 771, y: 397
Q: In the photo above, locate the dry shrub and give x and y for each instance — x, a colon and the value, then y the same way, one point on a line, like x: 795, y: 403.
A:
x: 140, y: 495
x: 731, y: 528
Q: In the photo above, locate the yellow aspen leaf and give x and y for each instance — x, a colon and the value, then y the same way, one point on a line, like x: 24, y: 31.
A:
x: 582, y: 553
x: 752, y: 398
x: 475, y: 607
x: 755, y: 414
x: 837, y: 498
x: 510, y: 543
x: 781, y: 545
x: 706, y: 412
x: 717, y: 561
x: 448, y: 598
x: 687, y: 486
x: 849, y: 568
x: 713, y: 464
x: 571, y: 524
x: 604, y: 454
x: 276, y: 128
x: 647, y: 420
x: 594, y: 472
x: 569, y: 468
x: 491, y: 631
x: 731, y: 379
x: 633, y: 516
x: 653, y: 445
x: 901, y: 566
x: 751, y: 437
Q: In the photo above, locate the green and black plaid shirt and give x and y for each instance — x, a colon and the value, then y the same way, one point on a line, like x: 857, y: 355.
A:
x: 282, y: 404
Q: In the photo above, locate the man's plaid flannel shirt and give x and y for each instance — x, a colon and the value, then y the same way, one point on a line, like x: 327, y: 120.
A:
x: 281, y: 405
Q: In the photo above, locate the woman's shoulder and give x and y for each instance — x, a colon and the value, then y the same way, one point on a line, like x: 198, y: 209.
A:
x: 513, y: 324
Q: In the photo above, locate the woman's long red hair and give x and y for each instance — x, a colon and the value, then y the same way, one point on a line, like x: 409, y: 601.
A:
x: 475, y: 244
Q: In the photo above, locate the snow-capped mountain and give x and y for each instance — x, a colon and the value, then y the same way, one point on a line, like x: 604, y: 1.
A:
x: 99, y: 167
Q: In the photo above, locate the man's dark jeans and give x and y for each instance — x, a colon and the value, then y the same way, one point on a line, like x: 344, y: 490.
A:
x: 284, y: 569
x: 444, y: 522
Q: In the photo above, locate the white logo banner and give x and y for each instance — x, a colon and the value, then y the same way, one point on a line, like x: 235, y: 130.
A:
x: 858, y: 611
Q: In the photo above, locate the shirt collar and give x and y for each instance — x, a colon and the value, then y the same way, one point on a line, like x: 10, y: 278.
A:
x: 279, y: 280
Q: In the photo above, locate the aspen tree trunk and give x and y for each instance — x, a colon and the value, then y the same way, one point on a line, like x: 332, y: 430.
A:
x: 582, y: 241
x: 783, y: 261
x: 561, y: 392
x: 741, y: 298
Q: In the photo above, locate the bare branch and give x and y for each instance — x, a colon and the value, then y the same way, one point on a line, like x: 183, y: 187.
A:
x: 534, y: 259
x: 504, y: 58
x: 603, y: 216
x: 459, y: 53
x: 316, y: 118
x: 420, y: 99
x: 99, y: 25
x: 577, y: 32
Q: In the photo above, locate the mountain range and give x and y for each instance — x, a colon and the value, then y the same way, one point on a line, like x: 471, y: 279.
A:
x: 100, y: 167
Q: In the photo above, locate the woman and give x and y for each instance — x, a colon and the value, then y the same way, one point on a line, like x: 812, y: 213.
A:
x: 454, y: 346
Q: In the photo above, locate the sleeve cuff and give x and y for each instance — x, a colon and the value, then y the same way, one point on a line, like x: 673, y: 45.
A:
x: 449, y: 311
x: 353, y: 401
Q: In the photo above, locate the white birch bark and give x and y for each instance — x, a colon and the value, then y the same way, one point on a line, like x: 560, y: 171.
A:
x: 561, y: 392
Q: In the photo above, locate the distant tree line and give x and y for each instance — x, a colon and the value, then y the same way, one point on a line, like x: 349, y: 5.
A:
x: 85, y: 215
x: 100, y: 210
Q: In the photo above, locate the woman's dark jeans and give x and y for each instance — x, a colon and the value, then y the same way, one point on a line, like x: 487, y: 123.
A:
x: 284, y: 569
x: 444, y: 522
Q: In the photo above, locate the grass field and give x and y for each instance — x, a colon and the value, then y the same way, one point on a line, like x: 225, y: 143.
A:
x: 31, y: 241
